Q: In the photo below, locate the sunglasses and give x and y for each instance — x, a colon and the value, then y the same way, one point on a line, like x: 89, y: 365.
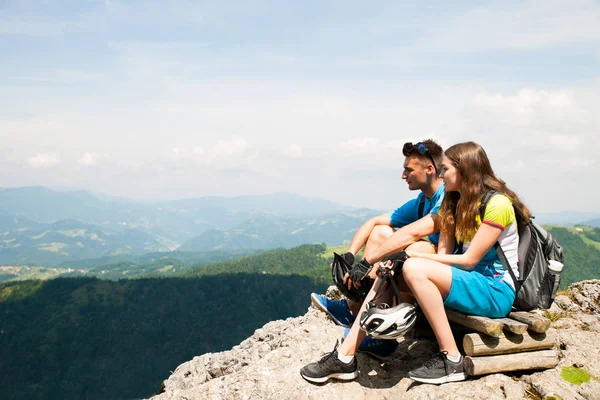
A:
x: 410, y: 148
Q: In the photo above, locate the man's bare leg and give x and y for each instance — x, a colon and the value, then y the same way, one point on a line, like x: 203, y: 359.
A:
x: 357, y: 335
x: 378, y: 235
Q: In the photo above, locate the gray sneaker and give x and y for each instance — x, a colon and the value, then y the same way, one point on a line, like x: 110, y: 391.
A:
x: 330, y: 367
x: 439, y: 370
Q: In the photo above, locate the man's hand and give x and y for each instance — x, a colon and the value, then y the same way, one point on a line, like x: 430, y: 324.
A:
x: 349, y: 257
x: 396, y: 261
x: 357, y: 273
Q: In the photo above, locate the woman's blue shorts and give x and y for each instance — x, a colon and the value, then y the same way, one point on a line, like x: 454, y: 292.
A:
x: 475, y: 294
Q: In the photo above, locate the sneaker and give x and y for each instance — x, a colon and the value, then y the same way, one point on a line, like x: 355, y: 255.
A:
x: 378, y: 348
x: 330, y: 367
x: 439, y: 370
x: 337, y: 310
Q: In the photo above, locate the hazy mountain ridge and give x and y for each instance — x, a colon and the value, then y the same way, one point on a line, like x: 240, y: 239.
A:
x: 568, y: 218
x: 270, y: 233
x: 28, y: 242
x: 177, y: 220
x: 114, y: 227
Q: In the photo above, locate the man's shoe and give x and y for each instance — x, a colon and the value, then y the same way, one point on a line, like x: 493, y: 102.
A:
x: 378, y: 348
x: 439, y: 370
x: 337, y: 310
x: 330, y: 367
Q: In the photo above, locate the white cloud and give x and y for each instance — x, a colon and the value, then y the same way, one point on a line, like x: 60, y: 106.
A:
x: 43, y: 161
x: 88, y: 159
x: 293, y: 151
x: 229, y: 149
x: 521, y: 25
x: 362, y: 145
x: 549, y: 113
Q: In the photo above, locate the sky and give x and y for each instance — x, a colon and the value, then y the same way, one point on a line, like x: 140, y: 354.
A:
x: 166, y: 100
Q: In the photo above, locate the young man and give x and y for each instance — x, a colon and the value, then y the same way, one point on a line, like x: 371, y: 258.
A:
x: 413, y: 220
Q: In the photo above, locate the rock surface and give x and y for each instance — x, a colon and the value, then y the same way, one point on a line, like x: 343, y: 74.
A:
x: 267, y: 365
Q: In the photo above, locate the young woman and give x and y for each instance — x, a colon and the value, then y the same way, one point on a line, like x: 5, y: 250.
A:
x: 472, y: 281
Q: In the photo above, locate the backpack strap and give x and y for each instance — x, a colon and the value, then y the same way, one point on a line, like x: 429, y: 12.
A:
x: 484, y: 200
x: 421, y: 207
x: 503, y: 260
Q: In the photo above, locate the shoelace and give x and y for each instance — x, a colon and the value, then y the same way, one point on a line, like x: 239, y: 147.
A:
x: 441, y: 355
x: 325, y: 357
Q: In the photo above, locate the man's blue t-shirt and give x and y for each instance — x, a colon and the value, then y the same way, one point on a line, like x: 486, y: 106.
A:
x: 409, y: 211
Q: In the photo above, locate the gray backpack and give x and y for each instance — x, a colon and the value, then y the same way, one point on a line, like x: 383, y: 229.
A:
x: 537, y: 285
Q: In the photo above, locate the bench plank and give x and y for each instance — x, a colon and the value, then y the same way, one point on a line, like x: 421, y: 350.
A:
x: 481, y: 324
x: 542, y: 359
x: 534, y: 322
x: 477, y: 344
x: 513, y: 326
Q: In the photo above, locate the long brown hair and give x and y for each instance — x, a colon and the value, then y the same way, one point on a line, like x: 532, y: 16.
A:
x: 459, y: 210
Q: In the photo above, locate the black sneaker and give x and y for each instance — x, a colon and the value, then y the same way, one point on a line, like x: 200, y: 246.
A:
x: 330, y: 367
x: 439, y: 370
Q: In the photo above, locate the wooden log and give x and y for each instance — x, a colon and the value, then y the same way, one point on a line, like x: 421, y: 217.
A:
x: 480, y: 324
x: 425, y: 332
x: 477, y: 344
x: 513, y: 326
x: 542, y: 359
x: 534, y: 322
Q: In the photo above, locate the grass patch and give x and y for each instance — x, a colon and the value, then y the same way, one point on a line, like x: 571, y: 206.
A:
x: 166, y: 268
x: 54, y: 247
x: 532, y: 394
x: 554, y: 316
x: 341, y: 249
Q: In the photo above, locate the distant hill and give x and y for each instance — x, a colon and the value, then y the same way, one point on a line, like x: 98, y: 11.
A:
x: 592, y: 222
x: 170, y: 222
x: 271, y: 233
x: 568, y: 218
x: 28, y: 242
x: 581, y: 246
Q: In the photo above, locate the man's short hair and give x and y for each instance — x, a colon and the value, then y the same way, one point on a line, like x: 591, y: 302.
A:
x: 431, y: 152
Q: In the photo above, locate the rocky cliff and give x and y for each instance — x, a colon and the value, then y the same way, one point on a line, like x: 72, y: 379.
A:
x: 267, y: 365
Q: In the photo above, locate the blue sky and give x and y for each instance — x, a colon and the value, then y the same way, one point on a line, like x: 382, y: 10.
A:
x: 157, y: 100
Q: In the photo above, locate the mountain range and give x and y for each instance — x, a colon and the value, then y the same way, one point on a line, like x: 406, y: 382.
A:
x: 42, y: 226
x: 49, y: 227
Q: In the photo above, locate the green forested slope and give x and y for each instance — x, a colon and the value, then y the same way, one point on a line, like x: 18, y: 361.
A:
x: 582, y: 253
x: 307, y: 260
x: 82, y: 338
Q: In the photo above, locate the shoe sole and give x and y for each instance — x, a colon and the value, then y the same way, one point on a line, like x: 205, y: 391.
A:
x: 456, y: 377
x: 348, y: 376
x: 317, y: 303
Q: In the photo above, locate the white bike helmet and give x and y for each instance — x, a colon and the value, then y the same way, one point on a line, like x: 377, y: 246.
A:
x: 384, y: 322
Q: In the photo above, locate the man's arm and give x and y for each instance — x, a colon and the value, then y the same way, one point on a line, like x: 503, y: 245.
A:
x: 362, y: 234
x: 404, y: 237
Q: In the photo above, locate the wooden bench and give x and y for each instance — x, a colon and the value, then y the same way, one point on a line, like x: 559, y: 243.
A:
x: 520, y: 341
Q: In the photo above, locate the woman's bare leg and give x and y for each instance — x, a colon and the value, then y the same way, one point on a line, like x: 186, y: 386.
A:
x: 430, y: 283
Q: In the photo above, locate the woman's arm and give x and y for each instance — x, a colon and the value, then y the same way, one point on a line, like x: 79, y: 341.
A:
x: 446, y: 243
x: 485, y: 238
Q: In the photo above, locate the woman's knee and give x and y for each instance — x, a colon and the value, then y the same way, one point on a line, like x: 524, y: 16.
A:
x: 411, y: 270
